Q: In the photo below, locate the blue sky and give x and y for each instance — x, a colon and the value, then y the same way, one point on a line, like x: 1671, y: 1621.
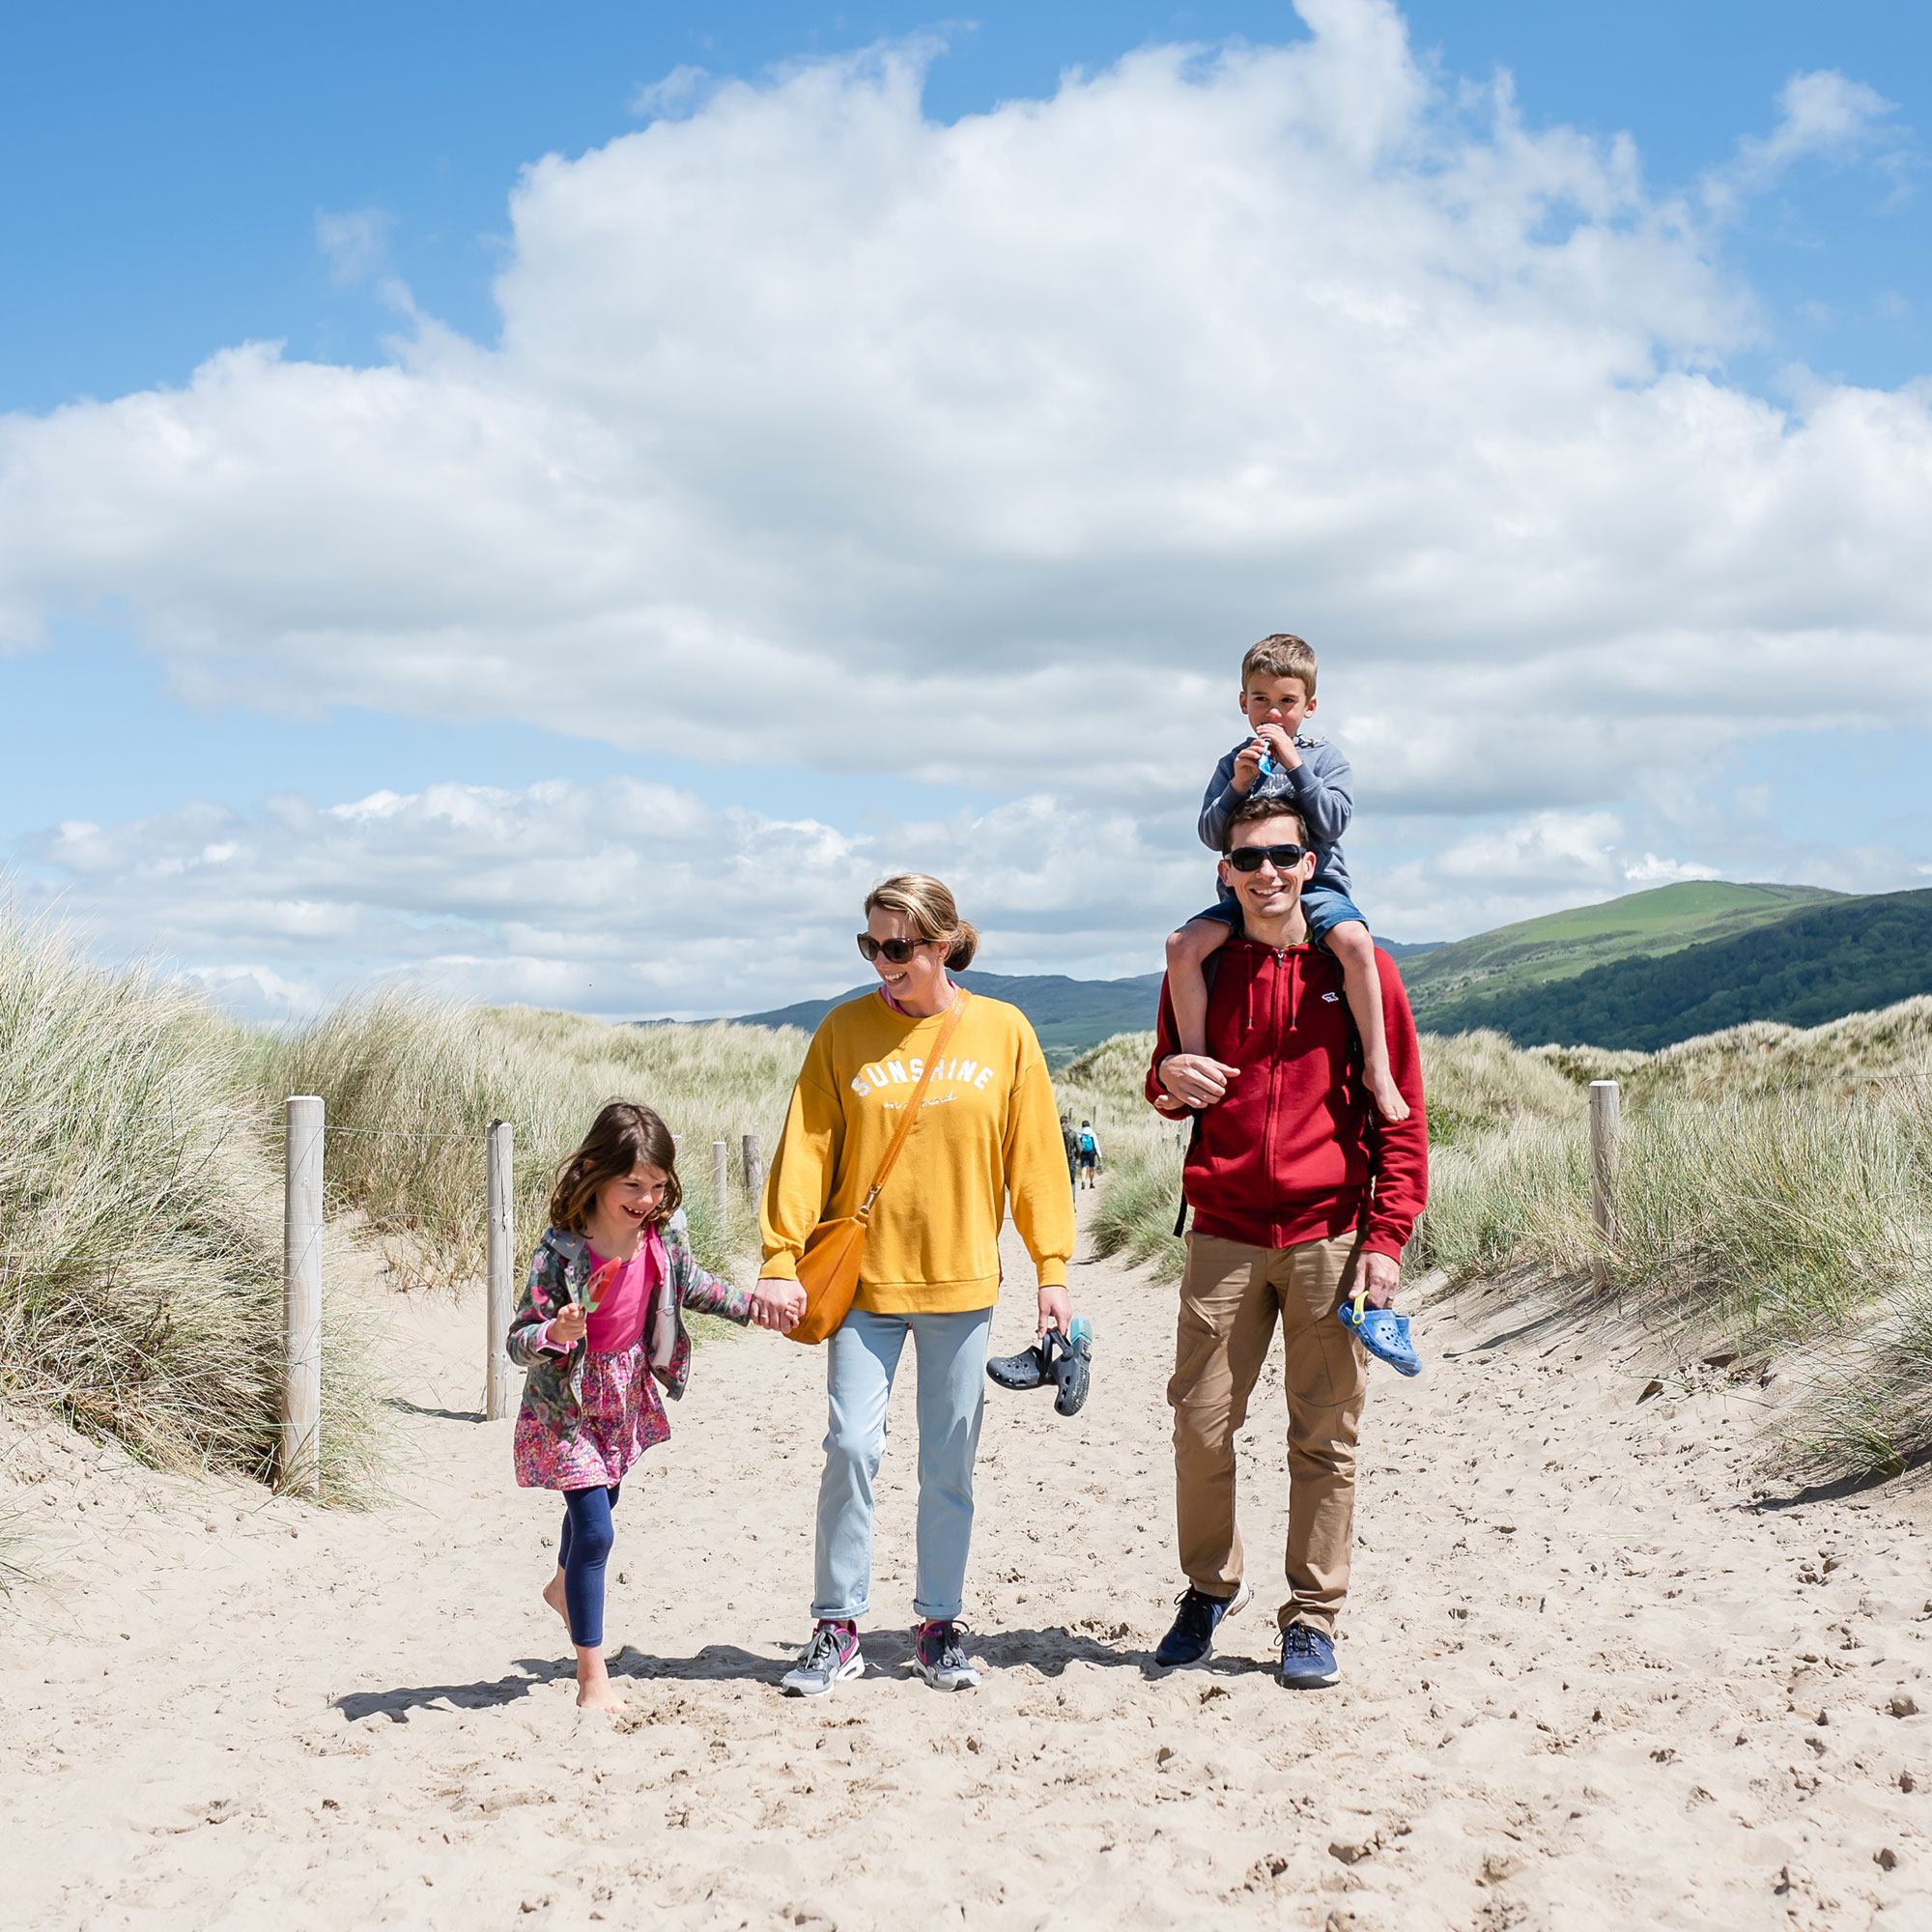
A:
x: 339, y: 184
x: 179, y: 157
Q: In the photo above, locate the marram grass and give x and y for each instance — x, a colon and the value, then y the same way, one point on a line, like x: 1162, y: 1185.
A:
x: 409, y: 1085
x: 1774, y: 1184
x: 1775, y: 1181
x: 140, y: 1224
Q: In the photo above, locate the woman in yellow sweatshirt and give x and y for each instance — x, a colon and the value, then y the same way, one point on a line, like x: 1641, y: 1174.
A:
x: 988, y: 1132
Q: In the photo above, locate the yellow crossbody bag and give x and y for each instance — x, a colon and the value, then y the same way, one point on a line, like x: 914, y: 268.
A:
x: 828, y: 1266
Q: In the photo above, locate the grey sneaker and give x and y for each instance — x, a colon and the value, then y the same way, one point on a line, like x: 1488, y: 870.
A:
x: 939, y: 1657
x: 829, y: 1659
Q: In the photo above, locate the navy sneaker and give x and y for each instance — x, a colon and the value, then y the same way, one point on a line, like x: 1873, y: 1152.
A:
x: 1192, y: 1636
x: 1307, y: 1659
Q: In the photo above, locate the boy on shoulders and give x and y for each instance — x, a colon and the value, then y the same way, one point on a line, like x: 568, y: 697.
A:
x: 1277, y: 759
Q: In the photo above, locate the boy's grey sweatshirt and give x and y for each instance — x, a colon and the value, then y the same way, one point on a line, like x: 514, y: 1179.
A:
x: 1320, y: 788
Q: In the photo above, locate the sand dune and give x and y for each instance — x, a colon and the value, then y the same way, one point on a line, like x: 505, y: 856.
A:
x: 1588, y: 1684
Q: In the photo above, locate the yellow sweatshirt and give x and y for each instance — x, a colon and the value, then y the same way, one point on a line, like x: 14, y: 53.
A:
x: 987, y: 1131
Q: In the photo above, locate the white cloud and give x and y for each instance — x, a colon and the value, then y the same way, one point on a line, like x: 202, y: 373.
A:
x: 978, y: 451
x: 1821, y: 113
x: 622, y: 897
x: 673, y: 94
x: 822, y: 434
x: 354, y: 242
x: 1651, y: 871
x: 1546, y: 844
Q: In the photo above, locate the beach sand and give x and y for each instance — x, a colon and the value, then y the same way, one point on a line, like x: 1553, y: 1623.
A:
x: 1587, y: 1684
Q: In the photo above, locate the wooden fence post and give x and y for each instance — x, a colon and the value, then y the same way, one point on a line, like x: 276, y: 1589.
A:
x: 499, y: 1160
x: 300, y: 1457
x: 720, y: 1179
x: 1605, y: 1121
x: 755, y: 1168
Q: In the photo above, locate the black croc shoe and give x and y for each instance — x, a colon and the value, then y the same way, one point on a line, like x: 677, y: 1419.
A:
x: 1063, y: 1362
x: 1030, y: 1369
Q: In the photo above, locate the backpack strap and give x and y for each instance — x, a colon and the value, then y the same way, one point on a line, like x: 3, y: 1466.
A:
x: 1211, y: 968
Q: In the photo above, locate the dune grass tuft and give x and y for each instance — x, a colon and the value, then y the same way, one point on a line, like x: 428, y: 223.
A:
x: 1775, y: 1183
x: 411, y: 1085
x: 140, y: 1243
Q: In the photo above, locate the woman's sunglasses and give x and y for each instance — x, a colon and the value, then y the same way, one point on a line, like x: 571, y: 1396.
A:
x: 896, y: 950
x: 1248, y: 858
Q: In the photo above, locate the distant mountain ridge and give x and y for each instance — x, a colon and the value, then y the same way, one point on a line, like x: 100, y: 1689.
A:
x: 1069, y: 1015
x: 1642, y: 971
x: 1814, y: 965
x: 1534, y: 951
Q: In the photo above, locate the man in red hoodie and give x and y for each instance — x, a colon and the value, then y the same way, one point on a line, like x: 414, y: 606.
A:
x: 1301, y: 1195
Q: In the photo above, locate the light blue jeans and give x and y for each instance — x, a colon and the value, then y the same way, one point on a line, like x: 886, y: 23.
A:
x: 952, y: 1355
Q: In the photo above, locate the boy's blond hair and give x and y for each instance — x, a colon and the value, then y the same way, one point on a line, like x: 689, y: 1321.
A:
x: 1280, y: 656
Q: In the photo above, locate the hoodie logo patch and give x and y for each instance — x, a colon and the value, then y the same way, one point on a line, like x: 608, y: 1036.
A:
x: 1331, y: 998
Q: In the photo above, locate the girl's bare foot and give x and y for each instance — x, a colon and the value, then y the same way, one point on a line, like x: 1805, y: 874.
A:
x: 594, y: 1689
x: 553, y: 1595
x: 1387, y: 1097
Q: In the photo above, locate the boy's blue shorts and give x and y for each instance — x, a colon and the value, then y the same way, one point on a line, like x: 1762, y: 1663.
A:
x: 1324, y: 907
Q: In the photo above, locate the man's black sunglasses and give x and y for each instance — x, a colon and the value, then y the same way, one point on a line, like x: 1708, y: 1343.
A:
x: 897, y: 950
x: 1248, y: 858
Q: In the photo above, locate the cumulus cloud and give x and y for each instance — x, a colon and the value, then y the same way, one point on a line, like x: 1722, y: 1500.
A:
x: 978, y: 451
x: 629, y: 898
x: 820, y: 433
x: 623, y: 898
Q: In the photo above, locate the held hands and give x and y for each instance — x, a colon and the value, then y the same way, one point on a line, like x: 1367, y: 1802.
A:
x: 1056, y: 1311
x: 1194, y: 1079
x: 1380, y: 1277
x: 778, y: 1302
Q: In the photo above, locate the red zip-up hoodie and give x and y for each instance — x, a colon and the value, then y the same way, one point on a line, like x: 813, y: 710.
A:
x: 1294, y: 1151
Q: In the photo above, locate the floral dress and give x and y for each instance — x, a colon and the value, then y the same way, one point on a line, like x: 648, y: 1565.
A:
x: 587, y: 1416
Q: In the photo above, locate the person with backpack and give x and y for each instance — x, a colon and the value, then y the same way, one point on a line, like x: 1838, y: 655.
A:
x: 1305, y: 1191
x: 1087, y: 1147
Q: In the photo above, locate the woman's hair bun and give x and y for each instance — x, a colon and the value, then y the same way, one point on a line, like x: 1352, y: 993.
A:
x: 965, y: 943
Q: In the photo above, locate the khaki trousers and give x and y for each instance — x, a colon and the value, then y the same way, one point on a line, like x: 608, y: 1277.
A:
x: 1231, y: 1297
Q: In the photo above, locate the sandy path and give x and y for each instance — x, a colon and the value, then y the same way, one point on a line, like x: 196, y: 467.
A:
x: 1586, y: 1685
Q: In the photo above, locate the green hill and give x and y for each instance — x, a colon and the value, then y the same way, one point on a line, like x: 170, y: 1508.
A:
x: 1069, y: 1015
x: 1813, y: 965
x: 1563, y: 944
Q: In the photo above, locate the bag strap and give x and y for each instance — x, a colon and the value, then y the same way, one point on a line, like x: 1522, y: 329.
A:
x: 1210, y: 967
x: 959, y: 998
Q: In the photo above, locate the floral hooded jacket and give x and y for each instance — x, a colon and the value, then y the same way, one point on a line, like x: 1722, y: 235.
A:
x: 560, y: 1269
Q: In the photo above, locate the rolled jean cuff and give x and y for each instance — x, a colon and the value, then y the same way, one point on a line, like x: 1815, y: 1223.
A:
x: 1325, y: 907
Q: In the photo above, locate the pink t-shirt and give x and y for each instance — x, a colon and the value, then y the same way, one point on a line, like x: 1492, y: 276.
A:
x: 618, y: 1322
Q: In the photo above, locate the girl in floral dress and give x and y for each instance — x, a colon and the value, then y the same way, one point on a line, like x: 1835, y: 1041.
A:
x: 599, y: 1327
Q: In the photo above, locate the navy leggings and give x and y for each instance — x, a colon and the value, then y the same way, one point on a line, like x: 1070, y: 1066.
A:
x: 587, y: 1537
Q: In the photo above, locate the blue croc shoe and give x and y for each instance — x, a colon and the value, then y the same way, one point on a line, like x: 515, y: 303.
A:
x: 1382, y: 1332
x: 1307, y: 1659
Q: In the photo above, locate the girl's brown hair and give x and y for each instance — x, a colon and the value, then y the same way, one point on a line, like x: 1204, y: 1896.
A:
x: 624, y: 1135
x: 928, y: 908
